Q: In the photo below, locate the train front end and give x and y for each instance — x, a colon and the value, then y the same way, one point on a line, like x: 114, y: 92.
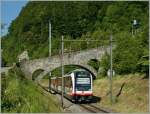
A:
x: 82, y: 86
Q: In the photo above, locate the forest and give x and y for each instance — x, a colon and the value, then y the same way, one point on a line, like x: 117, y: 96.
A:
x: 82, y: 20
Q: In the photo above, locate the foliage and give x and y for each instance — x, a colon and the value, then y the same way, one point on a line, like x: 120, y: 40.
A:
x: 94, y: 63
x: 127, y: 53
x: 143, y: 63
x: 104, y: 64
x: 20, y: 95
x: 80, y: 20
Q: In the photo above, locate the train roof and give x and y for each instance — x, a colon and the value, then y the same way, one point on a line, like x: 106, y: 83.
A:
x: 68, y: 74
x: 78, y: 70
x: 53, y: 77
x: 75, y: 71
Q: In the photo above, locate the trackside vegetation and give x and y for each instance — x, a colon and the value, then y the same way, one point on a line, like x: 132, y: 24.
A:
x: 22, y: 95
x: 132, y: 98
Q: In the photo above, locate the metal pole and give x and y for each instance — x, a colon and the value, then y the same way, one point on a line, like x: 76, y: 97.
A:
x: 50, y: 54
x: 111, y: 99
x: 50, y: 39
x: 50, y: 81
x: 62, y: 71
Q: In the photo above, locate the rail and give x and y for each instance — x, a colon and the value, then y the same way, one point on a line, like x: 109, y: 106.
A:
x: 93, y: 109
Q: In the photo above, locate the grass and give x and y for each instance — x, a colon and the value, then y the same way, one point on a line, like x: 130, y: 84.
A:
x: 22, y: 95
x: 134, y: 95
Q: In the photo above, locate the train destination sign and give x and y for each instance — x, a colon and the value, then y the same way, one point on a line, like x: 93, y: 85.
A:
x: 83, y: 81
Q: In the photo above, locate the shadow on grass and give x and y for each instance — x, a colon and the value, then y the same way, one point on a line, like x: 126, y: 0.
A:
x: 96, y: 99
x: 146, y: 76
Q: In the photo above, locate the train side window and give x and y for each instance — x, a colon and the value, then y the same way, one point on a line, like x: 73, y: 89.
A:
x: 70, y: 82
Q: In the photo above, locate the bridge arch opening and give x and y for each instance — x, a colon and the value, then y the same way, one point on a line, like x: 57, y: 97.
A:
x: 36, y: 73
x: 95, y: 63
x: 87, y: 69
x: 68, y: 68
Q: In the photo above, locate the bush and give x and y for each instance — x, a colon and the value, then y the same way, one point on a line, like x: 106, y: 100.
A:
x: 94, y: 63
x: 126, y: 54
x: 104, y: 64
x: 21, y: 95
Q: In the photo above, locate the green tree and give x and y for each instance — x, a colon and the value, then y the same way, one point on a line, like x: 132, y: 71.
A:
x: 127, y: 53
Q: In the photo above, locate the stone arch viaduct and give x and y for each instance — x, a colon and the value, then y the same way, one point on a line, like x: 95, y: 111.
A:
x: 75, y: 58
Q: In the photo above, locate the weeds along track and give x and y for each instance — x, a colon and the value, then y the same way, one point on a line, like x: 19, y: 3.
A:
x: 44, y: 90
x: 93, y: 109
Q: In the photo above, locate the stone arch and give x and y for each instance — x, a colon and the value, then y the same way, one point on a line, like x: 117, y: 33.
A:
x: 36, y: 73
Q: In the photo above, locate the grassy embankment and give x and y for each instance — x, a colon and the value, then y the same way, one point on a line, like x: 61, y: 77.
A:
x: 22, y: 95
x: 133, y: 97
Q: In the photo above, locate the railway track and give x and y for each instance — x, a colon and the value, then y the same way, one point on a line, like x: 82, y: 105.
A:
x: 86, y: 107
x: 93, y: 109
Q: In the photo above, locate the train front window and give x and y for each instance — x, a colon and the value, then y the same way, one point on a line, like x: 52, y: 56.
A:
x: 83, y: 81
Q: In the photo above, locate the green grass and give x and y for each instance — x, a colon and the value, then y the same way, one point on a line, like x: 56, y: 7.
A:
x: 22, y: 95
x: 134, y: 95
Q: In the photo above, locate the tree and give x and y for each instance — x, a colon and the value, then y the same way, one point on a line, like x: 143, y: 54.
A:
x: 126, y: 54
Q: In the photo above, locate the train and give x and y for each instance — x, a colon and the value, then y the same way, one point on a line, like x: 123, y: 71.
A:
x: 77, y: 85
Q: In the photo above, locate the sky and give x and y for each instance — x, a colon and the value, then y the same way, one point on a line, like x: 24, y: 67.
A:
x: 10, y: 9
